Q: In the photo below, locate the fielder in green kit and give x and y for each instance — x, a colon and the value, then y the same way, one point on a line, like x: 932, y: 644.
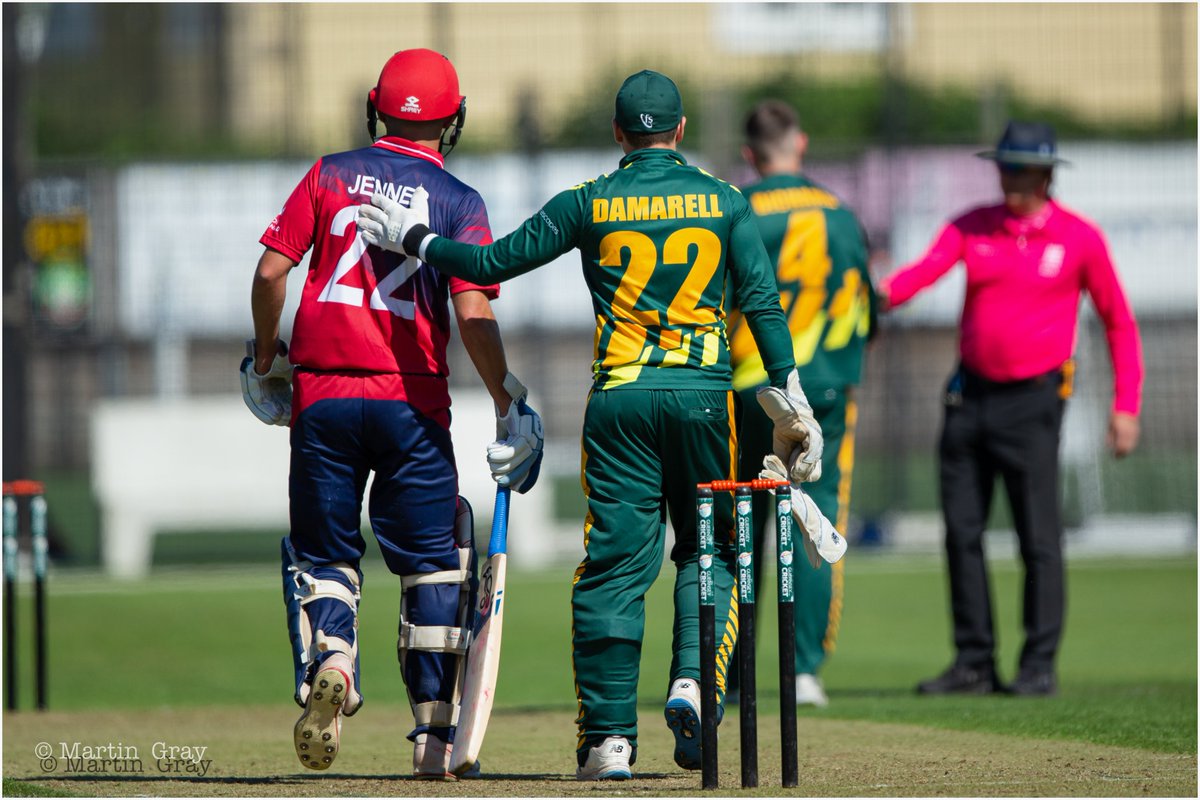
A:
x: 658, y: 240
x: 820, y: 254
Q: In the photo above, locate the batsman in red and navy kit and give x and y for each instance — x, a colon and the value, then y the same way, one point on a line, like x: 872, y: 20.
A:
x: 363, y: 387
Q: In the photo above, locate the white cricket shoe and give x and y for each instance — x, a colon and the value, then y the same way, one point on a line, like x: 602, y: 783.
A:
x: 608, y: 761
x: 431, y: 758
x: 809, y: 691
x: 683, y: 718
x: 317, y: 733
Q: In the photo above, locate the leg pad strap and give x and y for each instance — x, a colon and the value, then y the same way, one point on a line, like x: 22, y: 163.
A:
x: 436, y: 714
x: 434, y: 638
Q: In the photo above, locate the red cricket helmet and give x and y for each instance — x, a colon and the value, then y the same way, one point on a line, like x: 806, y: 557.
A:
x: 417, y: 84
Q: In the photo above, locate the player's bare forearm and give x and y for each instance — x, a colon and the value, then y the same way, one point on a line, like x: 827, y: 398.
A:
x: 266, y: 304
x: 481, y: 338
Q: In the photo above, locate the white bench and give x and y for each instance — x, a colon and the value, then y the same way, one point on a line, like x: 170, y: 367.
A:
x: 163, y: 466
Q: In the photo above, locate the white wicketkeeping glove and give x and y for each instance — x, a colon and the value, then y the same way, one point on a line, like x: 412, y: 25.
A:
x: 821, y: 539
x: 269, y: 397
x: 516, y: 456
x: 384, y: 222
x: 797, y: 439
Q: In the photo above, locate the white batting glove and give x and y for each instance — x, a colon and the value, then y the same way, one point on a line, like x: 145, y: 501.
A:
x: 797, y: 439
x: 821, y: 539
x: 269, y: 397
x: 515, y: 457
x: 384, y: 222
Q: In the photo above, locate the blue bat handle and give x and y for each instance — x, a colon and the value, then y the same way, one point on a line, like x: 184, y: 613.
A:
x: 499, y: 540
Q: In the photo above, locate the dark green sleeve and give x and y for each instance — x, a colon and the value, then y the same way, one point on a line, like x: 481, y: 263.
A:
x: 545, y: 236
x: 757, y: 292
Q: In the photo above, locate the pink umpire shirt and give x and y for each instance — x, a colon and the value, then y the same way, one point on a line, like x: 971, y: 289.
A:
x: 1024, y: 276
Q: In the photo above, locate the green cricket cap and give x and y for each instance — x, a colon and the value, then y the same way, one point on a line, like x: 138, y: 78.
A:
x: 648, y: 102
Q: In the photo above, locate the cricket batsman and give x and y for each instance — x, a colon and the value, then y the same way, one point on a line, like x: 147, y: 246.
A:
x: 658, y: 239
x: 820, y: 256
x: 363, y: 388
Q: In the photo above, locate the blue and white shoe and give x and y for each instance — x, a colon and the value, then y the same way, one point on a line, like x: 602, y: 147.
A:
x: 607, y: 761
x: 683, y: 718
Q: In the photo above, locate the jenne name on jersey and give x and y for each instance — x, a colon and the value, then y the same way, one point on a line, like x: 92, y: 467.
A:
x: 367, y: 184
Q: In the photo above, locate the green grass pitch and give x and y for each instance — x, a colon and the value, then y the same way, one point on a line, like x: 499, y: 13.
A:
x: 187, y: 649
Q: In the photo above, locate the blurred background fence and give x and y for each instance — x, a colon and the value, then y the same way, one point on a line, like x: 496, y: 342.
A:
x: 147, y: 146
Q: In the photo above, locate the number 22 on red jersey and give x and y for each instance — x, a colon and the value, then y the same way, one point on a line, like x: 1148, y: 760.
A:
x: 382, y: 296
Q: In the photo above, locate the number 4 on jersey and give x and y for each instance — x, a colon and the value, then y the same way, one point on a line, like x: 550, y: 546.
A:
x: 381, y: 297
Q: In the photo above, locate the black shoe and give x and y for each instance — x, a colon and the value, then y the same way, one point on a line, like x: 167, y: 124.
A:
x: 961, y: 680
x: 1034, y: 683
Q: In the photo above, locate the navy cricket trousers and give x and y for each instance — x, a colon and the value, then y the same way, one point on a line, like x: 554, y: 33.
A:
x: 335, y: 444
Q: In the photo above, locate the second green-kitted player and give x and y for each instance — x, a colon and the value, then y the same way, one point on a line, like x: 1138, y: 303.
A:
x: 658, y: 241
x: 820, y: 254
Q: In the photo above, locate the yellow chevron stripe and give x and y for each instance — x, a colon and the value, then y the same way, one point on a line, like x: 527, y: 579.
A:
x: 575, y: 680
x: 846, y: 465
x: 588, y: 520
x: 838, y: 585
x: 731, y: 415
x: 712, y: 345
x: 587, y: 531
x: 728, y: 640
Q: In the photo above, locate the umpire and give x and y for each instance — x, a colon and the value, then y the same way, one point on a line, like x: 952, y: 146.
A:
x: 1027, y: 260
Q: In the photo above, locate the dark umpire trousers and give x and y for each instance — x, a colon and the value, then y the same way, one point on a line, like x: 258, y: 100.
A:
x: 1012, y: 430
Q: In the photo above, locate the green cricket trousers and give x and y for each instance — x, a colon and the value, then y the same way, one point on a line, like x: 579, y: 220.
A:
x: 644, y: 451
x: 818, y: 591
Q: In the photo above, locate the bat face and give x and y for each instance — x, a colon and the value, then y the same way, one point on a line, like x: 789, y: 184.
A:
x: 483, y: 658
x: 483, y: 666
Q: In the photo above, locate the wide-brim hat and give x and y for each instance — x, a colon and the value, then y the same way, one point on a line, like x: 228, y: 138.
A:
x: 1026, y: 144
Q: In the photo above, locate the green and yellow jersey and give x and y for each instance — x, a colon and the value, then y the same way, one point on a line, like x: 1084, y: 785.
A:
x: 820, y: 258
x: 659, y: 241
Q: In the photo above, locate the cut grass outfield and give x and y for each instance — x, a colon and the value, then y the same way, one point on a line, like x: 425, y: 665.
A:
x: 182, y: 642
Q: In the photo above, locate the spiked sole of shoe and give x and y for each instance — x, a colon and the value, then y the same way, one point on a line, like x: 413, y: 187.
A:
x: 317, y: 730
x: 685, y: 724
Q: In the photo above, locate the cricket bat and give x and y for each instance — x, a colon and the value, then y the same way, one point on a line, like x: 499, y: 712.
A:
x: 483, y: 658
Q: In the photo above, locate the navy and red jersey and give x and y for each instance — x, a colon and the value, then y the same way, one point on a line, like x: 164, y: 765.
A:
x: 364, y: 309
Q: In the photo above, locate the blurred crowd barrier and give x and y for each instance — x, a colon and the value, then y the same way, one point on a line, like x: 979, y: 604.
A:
x: 147, y: 147
x: 173, y: 247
